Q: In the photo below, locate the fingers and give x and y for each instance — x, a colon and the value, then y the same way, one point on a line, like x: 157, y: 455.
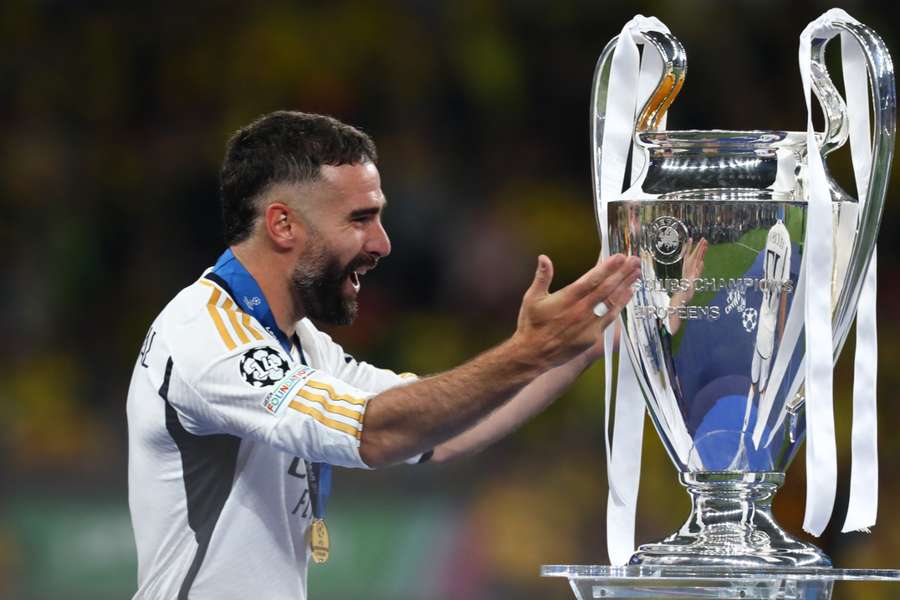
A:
x: 617, y: 299
x: 626, y: 274
x: 699, y: 255
x: 543, y: 276
x: 606, y: 272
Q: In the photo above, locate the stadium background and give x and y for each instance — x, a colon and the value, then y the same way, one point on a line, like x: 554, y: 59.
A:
x: 114, y: 117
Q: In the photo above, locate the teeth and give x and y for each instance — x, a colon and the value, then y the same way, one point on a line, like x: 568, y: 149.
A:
x: 354, y: 280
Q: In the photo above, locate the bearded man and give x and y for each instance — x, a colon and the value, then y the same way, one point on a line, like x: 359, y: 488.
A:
x: 239, y: 407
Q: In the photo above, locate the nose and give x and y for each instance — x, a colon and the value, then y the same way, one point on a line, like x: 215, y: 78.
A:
x: 378, y: 243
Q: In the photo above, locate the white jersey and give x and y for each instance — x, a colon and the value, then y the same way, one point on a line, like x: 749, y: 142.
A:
x: 776, y: 271
x: 221, y: 424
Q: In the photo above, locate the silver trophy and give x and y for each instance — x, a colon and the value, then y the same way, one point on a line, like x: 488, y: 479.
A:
x: 718, y: 219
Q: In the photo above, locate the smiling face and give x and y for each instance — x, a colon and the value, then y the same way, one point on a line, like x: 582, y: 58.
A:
x: 345, y: 239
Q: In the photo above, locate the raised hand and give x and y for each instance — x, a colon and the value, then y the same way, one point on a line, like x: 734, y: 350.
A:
x: 558, y: 326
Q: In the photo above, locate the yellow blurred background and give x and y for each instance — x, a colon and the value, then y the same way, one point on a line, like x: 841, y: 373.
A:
x: 114, y: 117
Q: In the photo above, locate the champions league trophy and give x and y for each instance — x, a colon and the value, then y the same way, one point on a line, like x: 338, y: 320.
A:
x: 754, y: 265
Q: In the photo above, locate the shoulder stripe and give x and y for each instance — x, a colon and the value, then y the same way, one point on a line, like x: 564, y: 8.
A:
x: 329, y: 407
x: 334, y: 395
x: 232, y: 314
x: 245, y: 319
x: 240, y: 321
x: 213, y: 309
x: 318, y: 416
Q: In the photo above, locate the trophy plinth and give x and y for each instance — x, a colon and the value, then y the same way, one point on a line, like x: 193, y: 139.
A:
x: 713, y: 536
x: 751, y: 583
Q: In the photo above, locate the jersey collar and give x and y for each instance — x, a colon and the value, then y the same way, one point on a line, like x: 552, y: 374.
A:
x: 235, y: 279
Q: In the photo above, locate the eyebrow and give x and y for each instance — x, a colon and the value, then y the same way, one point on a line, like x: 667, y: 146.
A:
x: 364, y: 212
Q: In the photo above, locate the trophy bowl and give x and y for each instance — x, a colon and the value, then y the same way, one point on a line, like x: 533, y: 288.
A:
x: 719, y: 220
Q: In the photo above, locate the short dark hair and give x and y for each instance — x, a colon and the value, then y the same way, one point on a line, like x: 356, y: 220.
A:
x: 282, y: 147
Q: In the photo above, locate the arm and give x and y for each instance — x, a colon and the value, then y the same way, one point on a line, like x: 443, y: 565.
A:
x: 531, y: 400
x: 552, y: 330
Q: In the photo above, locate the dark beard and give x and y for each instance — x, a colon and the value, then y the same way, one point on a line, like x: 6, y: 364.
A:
x: 318, y: 284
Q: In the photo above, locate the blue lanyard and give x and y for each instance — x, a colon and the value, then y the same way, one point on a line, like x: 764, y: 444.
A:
x: 240, y: 284
x: 319, y: 487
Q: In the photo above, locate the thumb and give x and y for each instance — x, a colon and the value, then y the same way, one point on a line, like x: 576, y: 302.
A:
x: 542, y: 278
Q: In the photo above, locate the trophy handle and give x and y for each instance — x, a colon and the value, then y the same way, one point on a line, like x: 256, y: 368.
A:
x: 674, y: 61
x: 837, y: 125
x: 884, y: 100
x: 674, y: 70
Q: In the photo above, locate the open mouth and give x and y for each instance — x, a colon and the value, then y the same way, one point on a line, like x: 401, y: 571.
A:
x: 356, y: 270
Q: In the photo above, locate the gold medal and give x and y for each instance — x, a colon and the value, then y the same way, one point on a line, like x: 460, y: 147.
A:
x: 318, y: 541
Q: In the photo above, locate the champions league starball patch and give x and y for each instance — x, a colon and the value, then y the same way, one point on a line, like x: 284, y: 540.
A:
x: 262, y: 367
x: 749, y: 319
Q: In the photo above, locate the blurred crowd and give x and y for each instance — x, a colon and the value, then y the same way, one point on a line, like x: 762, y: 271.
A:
x: 114, y: 119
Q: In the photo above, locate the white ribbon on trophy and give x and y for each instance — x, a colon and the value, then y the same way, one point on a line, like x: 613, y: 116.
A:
x: 821, y: 454
x: 632, y: 79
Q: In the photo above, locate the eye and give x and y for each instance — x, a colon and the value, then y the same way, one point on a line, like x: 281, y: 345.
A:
x: 364, y: 216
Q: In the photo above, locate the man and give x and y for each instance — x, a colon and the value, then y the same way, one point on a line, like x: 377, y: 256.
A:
x: 238, y: 405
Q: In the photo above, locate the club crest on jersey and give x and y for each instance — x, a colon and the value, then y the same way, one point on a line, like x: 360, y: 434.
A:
x: 736, y: 301
x: 667, y: 238
x: 262, y: 367
x: 287, y: 387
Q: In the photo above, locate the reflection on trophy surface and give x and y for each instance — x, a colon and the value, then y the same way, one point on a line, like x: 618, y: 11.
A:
x: 707, y: 316
x: 706, y: 329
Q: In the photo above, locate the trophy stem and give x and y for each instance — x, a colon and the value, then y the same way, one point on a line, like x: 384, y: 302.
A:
x: 731, y: 524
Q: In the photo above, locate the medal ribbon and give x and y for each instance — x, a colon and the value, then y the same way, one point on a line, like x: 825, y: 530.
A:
x: 248, y: 295
x: 231, y: 274
x: 631, y: 82
x: 319, y: 488
x: 821, y: 453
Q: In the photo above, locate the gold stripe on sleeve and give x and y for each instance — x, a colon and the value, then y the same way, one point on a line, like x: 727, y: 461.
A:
x: 332, y: 408
x: 232, y: 313
x: 334, y: 395
x: 245, y: 319
x: 213, y: 309
x: 318, y: 416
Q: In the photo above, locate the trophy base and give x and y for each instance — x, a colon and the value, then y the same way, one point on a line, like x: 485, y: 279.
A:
x: 737, y: 583
x: 731, y: 525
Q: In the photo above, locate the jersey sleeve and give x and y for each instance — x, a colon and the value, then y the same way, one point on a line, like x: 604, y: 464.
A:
x: 256, y: 395
x: 226, y: 376
x: 331, y: 357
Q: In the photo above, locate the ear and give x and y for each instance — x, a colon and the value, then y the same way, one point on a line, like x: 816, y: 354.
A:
x: 284, y: 229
